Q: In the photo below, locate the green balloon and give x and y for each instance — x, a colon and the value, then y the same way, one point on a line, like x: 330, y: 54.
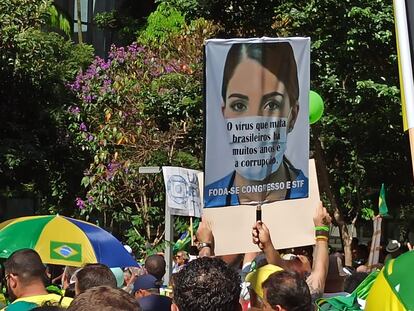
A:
x: 315, y: 107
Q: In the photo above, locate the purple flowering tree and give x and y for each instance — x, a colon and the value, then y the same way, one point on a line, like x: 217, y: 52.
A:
x: 141, y: 106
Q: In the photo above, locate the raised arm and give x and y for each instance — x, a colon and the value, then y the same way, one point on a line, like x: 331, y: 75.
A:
x: 205, y: 239
x: 317, y: 278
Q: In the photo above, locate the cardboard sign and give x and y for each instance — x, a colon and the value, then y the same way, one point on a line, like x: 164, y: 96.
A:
x: 290, y: 222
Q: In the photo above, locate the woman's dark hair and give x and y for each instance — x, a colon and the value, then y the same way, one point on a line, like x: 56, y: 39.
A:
x: 277, y: 57
x: 288, y: 290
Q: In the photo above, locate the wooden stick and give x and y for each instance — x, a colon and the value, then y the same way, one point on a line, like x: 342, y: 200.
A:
x: 191, y: 231
x: 411, y: 136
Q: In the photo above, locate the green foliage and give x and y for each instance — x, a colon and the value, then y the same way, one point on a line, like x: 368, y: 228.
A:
x: 58, y: 21
x: 140, y: 107
x: 36, y: 158
x: 240, y: 18
x: 354, y: 68
x: 189, y: 8
x: 161, y: 24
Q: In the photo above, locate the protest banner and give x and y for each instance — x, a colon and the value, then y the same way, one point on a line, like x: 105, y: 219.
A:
x: 257, y: 120
x: 404, y: 29
x: 290, y: 222
x: 182, y: 191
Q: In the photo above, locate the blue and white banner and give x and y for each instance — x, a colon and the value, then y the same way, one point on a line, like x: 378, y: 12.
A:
x: 257, y: 120
x: 182, y: 191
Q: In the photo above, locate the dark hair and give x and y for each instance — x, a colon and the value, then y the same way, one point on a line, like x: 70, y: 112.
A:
x: 296, y: 265
x: 155, y: 265
x: 352, y: 281
x: 70, y: 291
x: 92, y: 275
x: 288, y: 290
x: 27, y: 264
x: 277, y: 57
x: 207, y: 284
x: 104, y: 298
x: 47, y: 307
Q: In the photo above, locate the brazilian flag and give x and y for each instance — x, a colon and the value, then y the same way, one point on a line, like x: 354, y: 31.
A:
x: 393, y: 289
x: 382, y: 204
x: 184, y: 241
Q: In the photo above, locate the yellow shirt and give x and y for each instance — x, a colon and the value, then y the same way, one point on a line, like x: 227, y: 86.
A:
x: 47, y: 298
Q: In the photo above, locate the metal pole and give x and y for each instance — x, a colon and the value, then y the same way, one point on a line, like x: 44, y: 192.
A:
x: 169, y: 227
x: 169, y: 236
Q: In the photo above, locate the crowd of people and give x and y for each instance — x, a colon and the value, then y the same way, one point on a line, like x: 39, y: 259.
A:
x: 308, y: 278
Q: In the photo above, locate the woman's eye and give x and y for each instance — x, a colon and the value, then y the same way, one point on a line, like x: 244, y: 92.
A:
x: 272, y: 105
x: 238, y: 106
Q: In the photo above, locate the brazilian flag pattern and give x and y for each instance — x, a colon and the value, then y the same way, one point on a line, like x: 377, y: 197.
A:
x: 393, y: 289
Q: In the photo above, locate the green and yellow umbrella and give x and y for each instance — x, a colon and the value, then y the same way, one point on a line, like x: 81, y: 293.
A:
x: 393, y: 289
x: 63, y: 241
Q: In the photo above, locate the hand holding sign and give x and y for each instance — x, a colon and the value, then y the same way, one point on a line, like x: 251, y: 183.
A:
x: 261, y: 235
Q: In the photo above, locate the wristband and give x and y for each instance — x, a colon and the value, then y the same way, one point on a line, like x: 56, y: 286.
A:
x: 201, y: 245
x: 321, y: 232
x: 321, y: 237
x: 323, y: 228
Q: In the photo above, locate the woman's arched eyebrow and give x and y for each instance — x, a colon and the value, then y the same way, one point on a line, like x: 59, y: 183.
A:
x: 238, y: 95
x: 270, y: 95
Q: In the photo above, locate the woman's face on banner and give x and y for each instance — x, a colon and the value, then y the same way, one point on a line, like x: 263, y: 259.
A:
x: 249, y: 95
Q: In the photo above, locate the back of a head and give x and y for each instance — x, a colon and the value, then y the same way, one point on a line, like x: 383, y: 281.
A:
x: 104, y: 298
x: 352, y: 281
x: 336, y: 275
x: 288, y: 290
x: 48, y: 308
x: 93, y: 275
x: 155, y: 265
x: 207, y: 284
x: 27, y: 264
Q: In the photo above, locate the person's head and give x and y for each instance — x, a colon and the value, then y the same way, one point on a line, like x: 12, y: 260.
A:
x: 299, y: 264
x: 146, y: 285
x: 22, y: 269
x: 206, y: 284
x: 352, y: 281
x: 104, y: 298
x: 92, y: 275
x: 155, y: 265
x: 256, y: 279
x: 181, y: 258
x: 286, y: 291
x: 394, y: 248
x: 275, y: 93
x: 48, y: 308
x: 336, y: 274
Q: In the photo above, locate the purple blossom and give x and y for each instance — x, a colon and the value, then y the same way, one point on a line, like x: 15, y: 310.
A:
x: 90, y: 199
x: 83, y: 127
x: 169, y: 69
x: 80, y: 203
x: 90, y: 137
x: 74, y: 110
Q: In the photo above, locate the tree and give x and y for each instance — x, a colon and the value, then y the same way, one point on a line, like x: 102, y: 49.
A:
x: 359, y: 143
x: 140, y: 107
x: 36, y: 158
